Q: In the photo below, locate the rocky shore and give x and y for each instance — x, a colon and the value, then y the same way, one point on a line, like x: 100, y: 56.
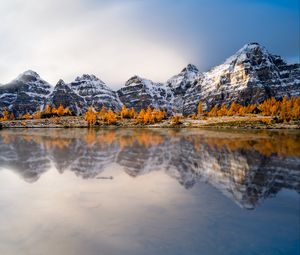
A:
x: 252, y: 122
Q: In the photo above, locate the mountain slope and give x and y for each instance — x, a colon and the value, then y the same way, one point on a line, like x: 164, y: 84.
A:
x: 27, y: 93
x: 249, y: 76
x: 85, y: 91
x: 140, y: 93
x: 96, y: 93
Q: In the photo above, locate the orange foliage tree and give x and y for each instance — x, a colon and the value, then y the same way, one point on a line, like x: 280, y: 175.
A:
x: 148, y: 117
x: 213, y: 112
x: 111, y: 117
x: 12, y: 116
x: 200, y: 108
x: 54, y: 110
x: 37, y: 115
x: 285, y: 109
x: 4, y: 115
x: 90, y: 116
x: 234, y: 109
x: 102, y: 113
x: 222, y: 111
x: 158, y: 115
x: 125, y: 113
x: 26, y: 116
x: 47, y: 109
x: 141, y: 115
x: 60, y: 110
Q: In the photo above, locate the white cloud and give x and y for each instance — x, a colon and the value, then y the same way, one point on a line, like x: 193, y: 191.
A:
x: 63, y: 39
x: 115, y: 39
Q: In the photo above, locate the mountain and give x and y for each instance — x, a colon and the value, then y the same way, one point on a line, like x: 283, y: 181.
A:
x: 249, y: 76
x: 180, y: 83
x: 140, y: 93
x: 63, y: 94
x: 27, y: 93
x: 85, y: 91
x: 95, y: 92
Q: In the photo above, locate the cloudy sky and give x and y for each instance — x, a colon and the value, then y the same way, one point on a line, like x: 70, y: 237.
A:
x: 115, y: 39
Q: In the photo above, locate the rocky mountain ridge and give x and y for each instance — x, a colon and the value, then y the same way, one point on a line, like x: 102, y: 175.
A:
x: 251, y: 75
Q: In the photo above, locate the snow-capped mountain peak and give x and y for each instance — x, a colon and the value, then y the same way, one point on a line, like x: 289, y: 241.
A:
x: 59, y: 84
x: 190, y: 68
x: 252, y: 53
x: 88, y: 77
x: 28, y: 74
x: 183, y: 80
x: 250, y: 75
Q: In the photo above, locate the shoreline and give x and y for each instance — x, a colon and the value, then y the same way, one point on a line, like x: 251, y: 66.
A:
x: 243, y: 122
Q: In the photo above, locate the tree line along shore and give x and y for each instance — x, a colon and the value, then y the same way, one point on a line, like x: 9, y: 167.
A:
x: 270, y: 113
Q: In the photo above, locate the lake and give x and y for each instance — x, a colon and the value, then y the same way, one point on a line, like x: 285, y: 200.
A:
x: 149, y: 191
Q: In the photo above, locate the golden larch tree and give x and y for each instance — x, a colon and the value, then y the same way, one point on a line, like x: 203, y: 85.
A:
x: 12, y: 116
x: 37, y: 115
x: 200, y: 108
x: 111, y: 117
x: 213, y: 112
x: 60, y: 110
x: 222, y: 111
x: 90, y: 116
x: 102, y: 113
x: 4, y: 115
x: 47, y: 109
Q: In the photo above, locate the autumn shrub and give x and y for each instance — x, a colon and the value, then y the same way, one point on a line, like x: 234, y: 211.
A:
x: 49, y: 112
x: 26, y: 116
x: 194, y: 116
x: 176, y: 120
x: 266, y: 121
x: 37, y: 115
x: 4, y: 115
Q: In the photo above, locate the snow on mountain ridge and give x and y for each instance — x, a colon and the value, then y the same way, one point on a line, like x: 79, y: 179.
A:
x: 250, y: 75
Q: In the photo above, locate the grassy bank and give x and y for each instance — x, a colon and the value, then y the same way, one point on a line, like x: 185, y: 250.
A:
x: 247, y: 122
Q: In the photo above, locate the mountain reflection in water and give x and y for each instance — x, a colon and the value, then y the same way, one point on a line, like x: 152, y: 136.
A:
x: 245, y: 166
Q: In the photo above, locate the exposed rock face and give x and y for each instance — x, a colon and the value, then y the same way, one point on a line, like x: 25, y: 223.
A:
x: 244, y: 174
x: 140, y: 93
x: 96, y: 93
x: 63, y: 94
x: 27, y: 93
x: 85, y: 91
x: 249, y: 76
x: 180, y: 83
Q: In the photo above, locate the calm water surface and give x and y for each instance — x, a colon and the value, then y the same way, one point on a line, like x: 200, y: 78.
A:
x: 79, y: 191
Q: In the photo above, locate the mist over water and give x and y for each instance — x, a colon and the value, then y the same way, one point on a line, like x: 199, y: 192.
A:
x: 149, y: 191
